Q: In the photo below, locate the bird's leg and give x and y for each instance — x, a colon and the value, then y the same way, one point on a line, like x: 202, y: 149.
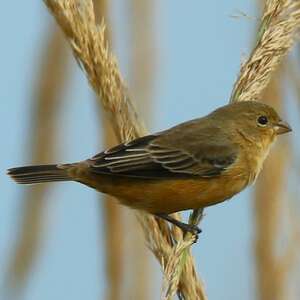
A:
x: 194, y: 229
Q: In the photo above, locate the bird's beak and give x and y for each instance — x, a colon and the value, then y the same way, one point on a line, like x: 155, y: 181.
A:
x: 282, y: 127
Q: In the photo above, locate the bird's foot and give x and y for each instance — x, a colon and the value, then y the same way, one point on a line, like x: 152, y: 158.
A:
x: 193, y: 229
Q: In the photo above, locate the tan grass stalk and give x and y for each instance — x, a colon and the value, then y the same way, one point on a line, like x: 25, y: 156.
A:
x: 189, y: 285
x: 142, y: 63
x: 269, y: 202
x: 113, y: 220
x: 293, y: 74
x: 277, y: 31
x: 112, y: 212
x: 275, y: 267
x: 143, y: 55
x: 114, y: 232
x: 87, y: 40
x: 177, y: 262
x: 48, y: 90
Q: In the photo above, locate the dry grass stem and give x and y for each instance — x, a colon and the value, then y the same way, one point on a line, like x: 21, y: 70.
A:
x: 268, y: 213
x: 90, y: 47
x: 189, y: 285
x: 111, y: 214
x: 177, y: 261
x: 113, y: 220
x: 274, y: 264
x: 49, y: 88
x: 277, y: 31
x: 142, y: 74
x: 293, y: 74
x: 273, y: 270
x: 87, y: 39
x: 143, y: 55
x: 173, y: 269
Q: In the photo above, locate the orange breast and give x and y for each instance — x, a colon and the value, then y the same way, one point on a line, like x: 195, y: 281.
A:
x: 167, y: 195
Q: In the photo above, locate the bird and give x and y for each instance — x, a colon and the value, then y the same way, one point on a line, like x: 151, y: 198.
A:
x: 196, y: 164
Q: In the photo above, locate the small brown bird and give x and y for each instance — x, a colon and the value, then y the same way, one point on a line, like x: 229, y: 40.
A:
x: 196, y: 164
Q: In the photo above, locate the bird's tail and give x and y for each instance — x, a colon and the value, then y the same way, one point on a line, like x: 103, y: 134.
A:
x: 39, y: 174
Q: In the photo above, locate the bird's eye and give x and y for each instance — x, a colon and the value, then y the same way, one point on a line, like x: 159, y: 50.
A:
x: 262, y: 120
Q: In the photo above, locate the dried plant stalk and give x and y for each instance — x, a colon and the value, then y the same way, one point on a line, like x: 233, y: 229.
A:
x: 48, y: 91
x: 142, y: 59
x: 274, y: 266
x: 143, y: 55
x: 173, y: 271
x: 293, y: 74
x: 268, y: 207
x: 114, y: 231
x: 276, y: 34
x: 87, y: 40
x: 111, y: 211
x: 166, y: 254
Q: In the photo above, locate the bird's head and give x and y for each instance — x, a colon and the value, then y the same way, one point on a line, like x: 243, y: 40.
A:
x: 256, y: 121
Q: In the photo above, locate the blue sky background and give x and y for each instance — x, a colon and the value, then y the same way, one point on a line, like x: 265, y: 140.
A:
x: 201, y: 48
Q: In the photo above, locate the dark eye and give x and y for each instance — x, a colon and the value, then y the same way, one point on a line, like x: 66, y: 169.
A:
x: 262, y: 120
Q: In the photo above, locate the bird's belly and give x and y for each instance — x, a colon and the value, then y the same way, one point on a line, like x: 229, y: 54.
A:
x: 168, y: 195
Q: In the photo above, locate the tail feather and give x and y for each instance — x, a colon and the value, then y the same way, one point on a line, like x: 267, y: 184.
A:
x: 38, y: 174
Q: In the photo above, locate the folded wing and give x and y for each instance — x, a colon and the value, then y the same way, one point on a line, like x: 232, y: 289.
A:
x: 148, y: 157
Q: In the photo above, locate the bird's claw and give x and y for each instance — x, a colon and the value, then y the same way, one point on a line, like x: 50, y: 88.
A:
x: 193, y: 229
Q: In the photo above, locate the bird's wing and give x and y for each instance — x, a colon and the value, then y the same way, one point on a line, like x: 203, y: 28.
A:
x: 151, y: 157
x: 124, y: 159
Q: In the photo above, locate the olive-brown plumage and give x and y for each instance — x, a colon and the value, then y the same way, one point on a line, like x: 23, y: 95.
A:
x: 192, y: 165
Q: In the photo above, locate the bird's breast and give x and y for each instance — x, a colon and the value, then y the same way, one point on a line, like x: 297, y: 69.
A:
x: 168, y: 195
x: 253, y: 159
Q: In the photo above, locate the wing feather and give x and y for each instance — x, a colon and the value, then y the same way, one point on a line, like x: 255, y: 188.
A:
x: 147, y: 158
